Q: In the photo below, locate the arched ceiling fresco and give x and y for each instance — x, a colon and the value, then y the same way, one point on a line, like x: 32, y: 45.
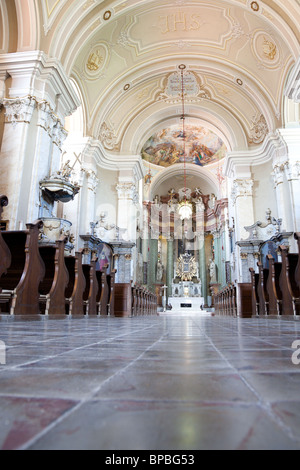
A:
x: 122, y: 53
x: 202, y: 147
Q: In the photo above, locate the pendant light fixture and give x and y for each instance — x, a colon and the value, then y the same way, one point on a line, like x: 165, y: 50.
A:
x: 185, y: 209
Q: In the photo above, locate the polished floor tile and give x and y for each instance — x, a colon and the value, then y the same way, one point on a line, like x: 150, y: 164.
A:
x: 168, y: 382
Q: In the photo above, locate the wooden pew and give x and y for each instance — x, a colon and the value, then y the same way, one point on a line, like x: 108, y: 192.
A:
x: 111, y: 279
x: 103, y: 304
x: 25, y: 273
x: 139, y: 301
x: 5, y: 255
x: 254, y: 284
x: 52, y: 288
x: 76, y: 286
x: 263, y: 297
x: 233, y: 299
x: 123, y: 300
x: 134, y: 300
x: 273, y: 287
x: 91, y: 288
x: 244, y: 300
x: 289, y: 288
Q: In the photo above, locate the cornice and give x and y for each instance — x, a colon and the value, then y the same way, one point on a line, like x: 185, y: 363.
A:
x: 292, y: 89
x: 114, y: 162
x: 272, y: 148
x: 35, y: 74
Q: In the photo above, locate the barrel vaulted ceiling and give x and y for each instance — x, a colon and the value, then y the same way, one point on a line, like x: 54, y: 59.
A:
x: 125, y: 55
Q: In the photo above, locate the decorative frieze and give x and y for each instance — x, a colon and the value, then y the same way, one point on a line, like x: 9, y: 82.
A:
x: 107, y: 137
x: 46, y: 118
x: 242, y: 188
x: 59, y: 134
x: 92, y: 179
x: 19, y: 109
x: 259, y: 130
x: 292, y: 170
x: 278, y: 174
x: 126, y: 191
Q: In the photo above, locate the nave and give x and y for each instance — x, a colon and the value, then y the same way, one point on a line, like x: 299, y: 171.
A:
x: 167, y: 382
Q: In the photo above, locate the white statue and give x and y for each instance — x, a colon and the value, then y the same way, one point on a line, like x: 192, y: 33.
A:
x: 160, y: 271
x: 212, y: 271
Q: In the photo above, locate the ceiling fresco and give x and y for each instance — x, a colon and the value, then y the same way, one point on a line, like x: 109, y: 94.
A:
x: 202, y: 147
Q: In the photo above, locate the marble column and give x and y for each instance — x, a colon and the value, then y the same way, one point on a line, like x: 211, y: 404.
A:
x: 123, y: 261
x: 170, y: 265
x: 153, y: 258
x: 217, y: 256
x: 202, y: 268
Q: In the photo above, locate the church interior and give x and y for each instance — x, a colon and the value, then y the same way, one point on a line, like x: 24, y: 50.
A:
x: 150, y: 224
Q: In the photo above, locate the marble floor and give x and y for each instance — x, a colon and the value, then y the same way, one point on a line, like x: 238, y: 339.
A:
x: 168, y: 382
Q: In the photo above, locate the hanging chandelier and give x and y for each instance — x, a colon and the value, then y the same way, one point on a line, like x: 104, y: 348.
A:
x: 185, y: 209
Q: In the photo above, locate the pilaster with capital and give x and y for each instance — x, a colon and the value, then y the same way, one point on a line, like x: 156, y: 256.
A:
x: 170, y: 264
x: 153, y: 259
x: 202, y: 267
x: 89, y: 187
x: 15, y: 159
x: 242, y: 199
x: 293, y: 178
x: 32, y: 134
x: 282, y: 177
x: 291, y: 201
x: 127, y: 209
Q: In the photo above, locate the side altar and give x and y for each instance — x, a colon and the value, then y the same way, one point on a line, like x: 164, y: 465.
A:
x: 187, y: 286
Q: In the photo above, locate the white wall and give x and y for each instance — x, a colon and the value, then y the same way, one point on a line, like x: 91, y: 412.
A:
x: 264, y: 196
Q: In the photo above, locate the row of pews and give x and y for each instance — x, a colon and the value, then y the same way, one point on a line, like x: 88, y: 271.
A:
x: 133, y: 300
x: 273, y: 291
x: 38, y: 279
x: 234, y: 300
x: 276, y: 290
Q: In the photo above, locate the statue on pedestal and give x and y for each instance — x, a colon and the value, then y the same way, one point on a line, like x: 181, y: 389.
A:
x: 160, y: 271
x: 212, y: 271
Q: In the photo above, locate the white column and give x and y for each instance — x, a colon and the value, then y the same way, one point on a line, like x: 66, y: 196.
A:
x: 92, y: 182
x: 242, y: 198
x: 127, y: 212
x: 291, y: 137
x: 16, y: 157
x: 48, y: 138
x: 278, y: 178
x: 33, y: 129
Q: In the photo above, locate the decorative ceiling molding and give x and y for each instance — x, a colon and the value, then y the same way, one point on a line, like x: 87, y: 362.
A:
x: 95, y: 151
x: 292, y: 89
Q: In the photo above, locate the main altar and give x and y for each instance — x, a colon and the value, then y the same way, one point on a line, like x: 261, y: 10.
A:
x: 187, y: 286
